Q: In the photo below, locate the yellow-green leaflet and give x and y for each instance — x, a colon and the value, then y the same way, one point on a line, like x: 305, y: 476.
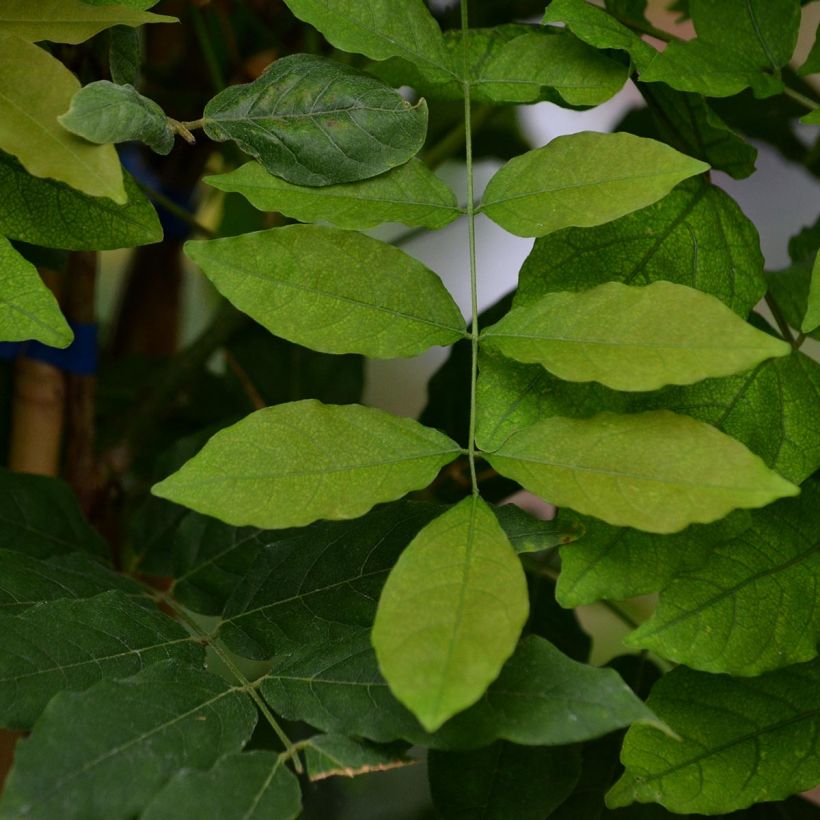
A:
x: 464, y: 585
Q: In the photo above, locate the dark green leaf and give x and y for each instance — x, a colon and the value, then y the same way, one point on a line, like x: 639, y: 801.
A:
x: 541, y: 698
x: 754, y: 604
x: 811, y: 65
x: 502, y: 781
x: 695, y: 236
x: 332, y: 290
x: 88, y: 756
x: 40, y: 517
x: 463, y: 582
x: 410, y: 194
x: 47, y: 212
x: 340, y: 756
x: 313, y: 121
x: 72, y: 644
x: 240, y: 786
x: 124, y: 54
x: 526, y: 533
x: 104, y: 112
x: 258, y: 472
x: 582, y: 180
x: 741, y: 741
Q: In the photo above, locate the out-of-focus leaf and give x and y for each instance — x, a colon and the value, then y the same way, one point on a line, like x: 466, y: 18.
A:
x: 340, y: 756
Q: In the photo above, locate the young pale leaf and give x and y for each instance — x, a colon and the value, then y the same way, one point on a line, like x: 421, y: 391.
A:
x: 40, y: 517
x: 35, y: 89
x: 632, y: 338
x: 502, y: 781
x: 656, y: 471
x: 332, y: 290
x: 410, y: 194
x: 740, y: 43
x: 740, y: 742
x: 87, y: 758
x: 28, y: 309
x: 529, y: 534
x: 29, y: 581
x: 68, y: 21
x: 103, y: 112
x: 240, y: 786
x: 695, y: 236
x: 541, y: 698
x: 620, y: 562
x: 317, y: 122
x: 380, y: 29
x: 466, y: 589
x: 315, y: 584
x: 72, y: 644
x: 289, y: 465
x: 754, y: 604
x: 582, y: 180
x: 51, y: 214
x: 780, y: 394
x: 340, y: 756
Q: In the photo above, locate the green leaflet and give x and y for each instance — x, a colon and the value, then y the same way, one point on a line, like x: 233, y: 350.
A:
x: 632, y: 338
x: 40, y: 517
x: 28, y: 309
x: 740, y: 43
x: 754, y: 604
x: 86, y: 757
x: 695, y: 236
x: 656, y: 471
x: 582, y: 180
x: 68, y: 21
x: 463, y: 582
x: 529, y: 534
x: 240, y: 786
x: 688, y: 123
x: 771, y: 409
x: 502, y: 781
x: 541, y: 698
x: 379, y: 29
x: 104, y: 112
x: 27, y: 581
x: 35, y: 89
x: 598, y: 28
x: 331, y: 290
x: 54, y: 215
x: 289, y: 465
x: 317, y: 122
x: 340, y: 756
x: 411, y: 194
x: 124, y: 54
x: 72, y: 644
x: 811, y: 318
x: 312, y: 585
x: 741, y: 742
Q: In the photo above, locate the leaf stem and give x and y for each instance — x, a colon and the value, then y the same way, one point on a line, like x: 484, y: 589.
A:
x: 176, y: 210
x: 801, y: 98
x: 208, y: 52
x: 782, y: 324
x: 474, y: 329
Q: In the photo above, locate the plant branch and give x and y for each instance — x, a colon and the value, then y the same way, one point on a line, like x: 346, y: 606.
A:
x: 452, y: 141
x: 782, y: 324
x: 176, y: 210
x: 801, y: 98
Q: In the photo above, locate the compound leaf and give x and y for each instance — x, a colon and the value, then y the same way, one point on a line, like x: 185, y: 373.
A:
x: 695, y: 236
x: 240, y: 786
x: 740, y: 742
x: 632, y: 338
x: 51, y: 214
x: 582, y: 180
x: 86, y: 757
x: 410, y: 194
x: 316, y: 122
x: 35, y: 89
x: 103, y: 112
x: 656, y: 471
x: 331, y: 290
x: 72, y: 644
x: 289, y: 465
x: 68, y: 21
x: 541, y: 698
x: 465, y: 586
x: 28, y: 309
x: 752, y: 606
